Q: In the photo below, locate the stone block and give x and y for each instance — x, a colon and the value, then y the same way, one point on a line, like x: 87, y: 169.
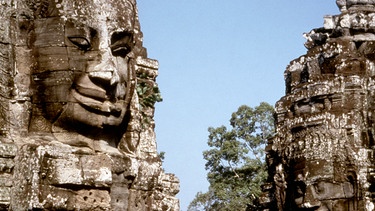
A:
x: 77, y: 60
x: 23, y: 59
x: 8, y: 150
x: 329, y: 22
x: 4, y: 30
x: 169, y: 183
x: 49, y: 32
x: 56, y: 198
x: 93, y: 200
x: 138, y: 200
x: 52, y: 86
x: 121, y: 164
x: 119, y: 197
x: 62, y: 171
x: 6, y: 165
x: 96, y: 170
x: 19, y: 114
x: 5, y: 180
x: 4, y: 197
x: 52, y: 59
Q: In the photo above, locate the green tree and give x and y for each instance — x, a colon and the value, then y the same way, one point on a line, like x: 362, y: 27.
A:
x: 235, y: 161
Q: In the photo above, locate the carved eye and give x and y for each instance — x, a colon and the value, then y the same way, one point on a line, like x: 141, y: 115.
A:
x: 80, y: 42
x: 121, y: 43
x: 121, y: 51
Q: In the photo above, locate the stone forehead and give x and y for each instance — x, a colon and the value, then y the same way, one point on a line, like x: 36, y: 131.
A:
x: 94, y: 8
x: 94, y: 13
x: 116, y: 12
x: 112, y: 11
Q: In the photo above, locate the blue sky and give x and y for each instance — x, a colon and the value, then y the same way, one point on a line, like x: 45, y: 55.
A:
x: 215, y: 56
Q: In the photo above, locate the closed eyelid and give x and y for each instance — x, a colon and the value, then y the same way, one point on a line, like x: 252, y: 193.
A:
x: 121, y: 43
x: 80, y: 41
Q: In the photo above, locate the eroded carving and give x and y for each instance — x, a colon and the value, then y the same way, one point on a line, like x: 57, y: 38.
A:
x: 322, y: 154
x: 84, y: 72
x: 77, y: 97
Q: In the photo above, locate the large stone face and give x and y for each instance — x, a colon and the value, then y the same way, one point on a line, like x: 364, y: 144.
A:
x: 77, y: 95
x: 322, y: 157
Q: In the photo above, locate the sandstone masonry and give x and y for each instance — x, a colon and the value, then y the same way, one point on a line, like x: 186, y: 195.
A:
x: 77, y: 95
x: 322, y: 157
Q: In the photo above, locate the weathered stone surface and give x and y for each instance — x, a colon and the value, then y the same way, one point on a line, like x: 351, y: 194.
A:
x: 355, y: 4
x: 168, y: 184
x: 77, y: 95
x: 5, y: 195
x: 322, y: 156
x: 8, y: 150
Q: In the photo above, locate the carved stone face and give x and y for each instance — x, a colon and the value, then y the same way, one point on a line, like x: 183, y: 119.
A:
x: 315, y: 187
x: 83, y: 71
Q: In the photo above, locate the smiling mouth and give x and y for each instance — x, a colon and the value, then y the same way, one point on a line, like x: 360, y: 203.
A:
x: 92, y: 92
x: 97, y: 100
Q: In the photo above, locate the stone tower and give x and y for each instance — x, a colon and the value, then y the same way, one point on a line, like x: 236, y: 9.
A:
x: 77, y: 95
x: 322, y: 157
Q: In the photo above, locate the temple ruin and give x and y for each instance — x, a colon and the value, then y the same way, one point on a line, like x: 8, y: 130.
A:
x: 77, y: 95
x: 323, y: 157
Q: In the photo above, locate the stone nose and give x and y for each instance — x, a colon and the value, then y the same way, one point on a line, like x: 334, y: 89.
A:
x: 105, y: 72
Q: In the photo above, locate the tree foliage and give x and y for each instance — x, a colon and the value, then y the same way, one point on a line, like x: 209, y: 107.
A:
x: 235, y: 161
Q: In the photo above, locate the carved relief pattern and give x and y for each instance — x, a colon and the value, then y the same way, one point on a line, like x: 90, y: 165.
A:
x: 325, y: 124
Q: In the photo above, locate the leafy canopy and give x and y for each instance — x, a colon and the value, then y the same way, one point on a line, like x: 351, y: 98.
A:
x: 235, y: 161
